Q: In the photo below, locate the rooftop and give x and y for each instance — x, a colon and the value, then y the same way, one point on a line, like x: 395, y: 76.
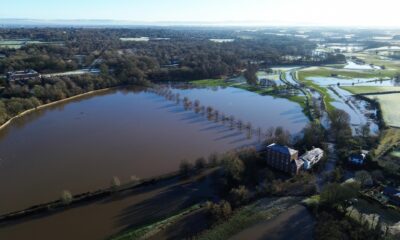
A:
x: 312, y: 154
x: 282, y: 149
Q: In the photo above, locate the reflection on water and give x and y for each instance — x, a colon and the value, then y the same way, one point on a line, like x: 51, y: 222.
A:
x: 80, y: 145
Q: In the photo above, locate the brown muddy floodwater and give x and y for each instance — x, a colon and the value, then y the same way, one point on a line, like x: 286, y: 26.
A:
x: 80, y: 145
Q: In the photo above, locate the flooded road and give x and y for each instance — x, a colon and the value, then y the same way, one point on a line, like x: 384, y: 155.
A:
x: 80, y: 145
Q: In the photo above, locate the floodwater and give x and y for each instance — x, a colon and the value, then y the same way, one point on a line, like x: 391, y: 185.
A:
x: 358, y: 110
x: 354, y: 66
x: 80, y: 145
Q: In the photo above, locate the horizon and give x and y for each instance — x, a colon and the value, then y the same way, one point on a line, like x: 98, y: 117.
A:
x: 310, y: 13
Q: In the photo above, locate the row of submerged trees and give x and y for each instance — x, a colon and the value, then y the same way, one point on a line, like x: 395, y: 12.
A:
x: 209, y: 112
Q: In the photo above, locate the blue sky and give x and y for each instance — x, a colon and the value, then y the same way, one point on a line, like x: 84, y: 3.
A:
x: 274, y: 12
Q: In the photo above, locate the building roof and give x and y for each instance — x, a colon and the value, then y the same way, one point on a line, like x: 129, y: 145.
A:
x: 312, y: 154
x: 282, y: 149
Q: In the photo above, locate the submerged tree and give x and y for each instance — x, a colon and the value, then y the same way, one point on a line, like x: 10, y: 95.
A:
x: 66, y: 197
x: 249, y: 130
x: 115, y: 183
x: 232, y: 122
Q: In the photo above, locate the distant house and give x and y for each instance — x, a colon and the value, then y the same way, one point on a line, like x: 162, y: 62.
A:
x: 22, y: 75
x: 283, y: 158
x: 358, y: 159
x: 310, y: 158
x: 393, y: 195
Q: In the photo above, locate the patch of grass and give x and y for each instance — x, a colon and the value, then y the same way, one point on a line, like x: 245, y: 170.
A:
x: 389, y: 138
x: 211, y: 83
x: 312, y: 201
x: 146, y: 231
x: 247, y: 216
x: 270, y: 91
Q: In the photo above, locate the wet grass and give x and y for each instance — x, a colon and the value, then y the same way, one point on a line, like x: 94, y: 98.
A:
x: 211, y: 83
x: 247, y: 216
x: 151, y: 229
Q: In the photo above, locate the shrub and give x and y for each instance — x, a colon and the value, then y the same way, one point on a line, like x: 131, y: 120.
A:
x: 240, y: 195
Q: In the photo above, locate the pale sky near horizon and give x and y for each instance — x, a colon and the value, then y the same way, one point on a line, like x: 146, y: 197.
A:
x: 271, y: 12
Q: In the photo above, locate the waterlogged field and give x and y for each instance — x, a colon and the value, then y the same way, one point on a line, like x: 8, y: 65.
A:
x: 370, y: 89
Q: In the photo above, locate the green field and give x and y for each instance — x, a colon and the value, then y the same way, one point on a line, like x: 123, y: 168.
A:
x: 369, y: 89
x: 16, y: 44
x: 390, y: 108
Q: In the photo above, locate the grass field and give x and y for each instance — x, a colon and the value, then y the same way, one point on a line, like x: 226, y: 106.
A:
x: 152, y: 229
x: 211, y: 83
x: 390, y: 108
x: 247, y: 216
x: 369, y: 89
x: 342, y: 73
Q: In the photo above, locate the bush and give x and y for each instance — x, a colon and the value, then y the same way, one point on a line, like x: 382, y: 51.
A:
x: 239, y: 196
x: 219, y: 211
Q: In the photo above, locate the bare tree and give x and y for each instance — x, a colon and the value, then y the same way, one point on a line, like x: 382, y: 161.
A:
x: 209, y: 113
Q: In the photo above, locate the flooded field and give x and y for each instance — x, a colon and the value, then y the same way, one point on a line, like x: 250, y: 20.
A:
x: 123, y: 133
x: 372, y: 82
